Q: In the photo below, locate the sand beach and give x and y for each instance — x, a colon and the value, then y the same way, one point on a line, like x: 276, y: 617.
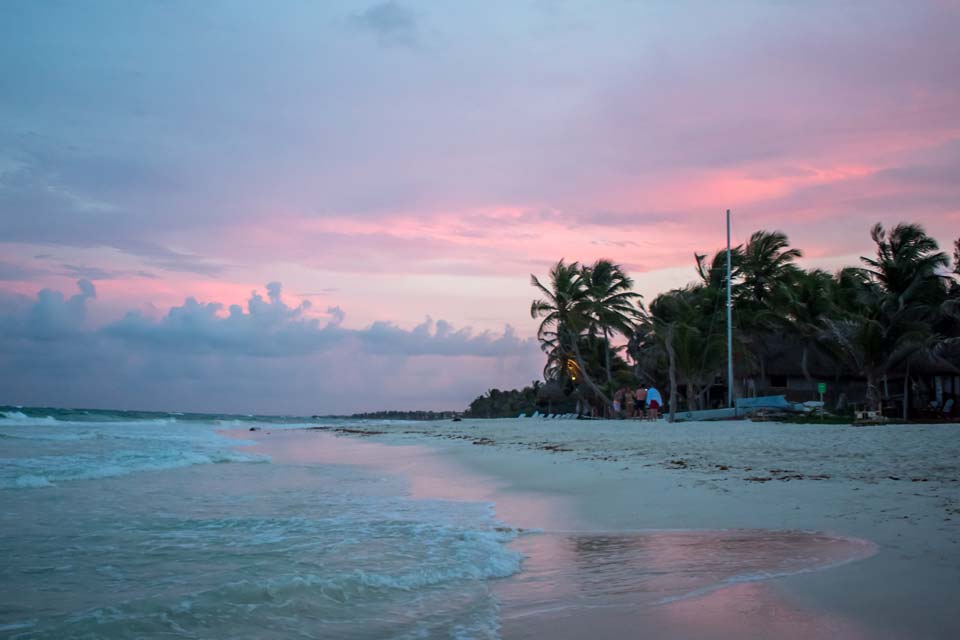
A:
x: 869, y: 516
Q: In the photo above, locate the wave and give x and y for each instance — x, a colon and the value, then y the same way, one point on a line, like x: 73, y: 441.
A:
x: 478, y: 556
x: 21, y: 418
x: 28, y: 415
x: 430, y: 580
x: 48, y: 471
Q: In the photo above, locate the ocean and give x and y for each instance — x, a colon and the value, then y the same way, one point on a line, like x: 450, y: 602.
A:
x: 133, y: 525
x: 119, y: 525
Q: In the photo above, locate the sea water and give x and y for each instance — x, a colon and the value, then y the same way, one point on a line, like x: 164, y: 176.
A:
x: 151, y: 525
x: 123, y: 525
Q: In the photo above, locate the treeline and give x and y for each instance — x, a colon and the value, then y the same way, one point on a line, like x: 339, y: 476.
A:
x: 897, y: 312
x: 538, y: 397
x: 400, y: 415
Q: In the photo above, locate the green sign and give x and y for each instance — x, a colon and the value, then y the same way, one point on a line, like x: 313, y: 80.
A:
x: 822, y: 387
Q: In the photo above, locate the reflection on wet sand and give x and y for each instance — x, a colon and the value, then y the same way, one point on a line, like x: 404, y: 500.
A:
x: 641, y: 584
x: 686, y: 584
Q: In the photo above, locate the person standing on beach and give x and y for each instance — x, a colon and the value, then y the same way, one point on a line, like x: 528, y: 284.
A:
x: 654, y: 399
x: 628, y: 404
x: 641, y: 399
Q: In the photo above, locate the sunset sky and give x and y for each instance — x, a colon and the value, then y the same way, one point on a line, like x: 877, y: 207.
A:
x: 316, y: 207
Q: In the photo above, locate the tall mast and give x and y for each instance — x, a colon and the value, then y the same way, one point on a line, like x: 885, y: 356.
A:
x: 729, y: 318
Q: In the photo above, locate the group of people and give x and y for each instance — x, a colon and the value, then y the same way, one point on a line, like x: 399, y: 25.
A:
x: 637, y: 403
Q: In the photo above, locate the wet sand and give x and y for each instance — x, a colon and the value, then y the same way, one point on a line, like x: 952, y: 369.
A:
x: 607, y: 514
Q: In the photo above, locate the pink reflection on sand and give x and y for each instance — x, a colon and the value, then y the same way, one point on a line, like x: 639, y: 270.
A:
x: 672, y: 584
x: 753, y: 610
x: 650, y: 584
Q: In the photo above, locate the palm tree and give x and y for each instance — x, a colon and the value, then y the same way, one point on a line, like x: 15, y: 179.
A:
x: 558, y: 304
x: 908, y: 264
x: 681, y: 325
x: 610, y: 304
x: 714, y: 274
x: 798, y: 306
x: 767, y: 261
x: 564, y: 312
x: 890, y: 306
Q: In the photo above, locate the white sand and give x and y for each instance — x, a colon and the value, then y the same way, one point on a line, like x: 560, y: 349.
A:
x: 898, y: 486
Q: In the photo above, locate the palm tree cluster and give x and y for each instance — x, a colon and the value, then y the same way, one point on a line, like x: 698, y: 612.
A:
x: 898, y: 311
x: 583, y: 310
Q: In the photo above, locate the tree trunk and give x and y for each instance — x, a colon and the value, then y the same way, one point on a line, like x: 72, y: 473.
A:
x: 586, y: 376
x: 873, y: 394
x: 691, y: 397
x: 804, y: 366
x: 702, y: 396
x: 607, y: 350
x: 672, y: 357
x: 906, y: 393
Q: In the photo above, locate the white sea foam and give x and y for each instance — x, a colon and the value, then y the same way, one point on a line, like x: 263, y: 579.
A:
x: 42, y: 451
x: 19, y: 417
x: 49, y: 470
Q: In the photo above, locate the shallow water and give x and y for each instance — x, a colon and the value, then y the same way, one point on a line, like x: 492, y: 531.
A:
x: 163, y: 529
x: 160, y: 526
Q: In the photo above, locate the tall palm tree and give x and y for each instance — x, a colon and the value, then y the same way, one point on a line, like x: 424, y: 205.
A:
x: 560, y: 299
x: 799, y: 306
x: 714, y: 273
x: 767, y: 261
x: 564, y: 316
x: 890, y: 306
x: 908, y: 266
x: 610, y: 304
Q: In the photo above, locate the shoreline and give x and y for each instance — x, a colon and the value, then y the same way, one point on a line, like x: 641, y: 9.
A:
x: 898, y: 489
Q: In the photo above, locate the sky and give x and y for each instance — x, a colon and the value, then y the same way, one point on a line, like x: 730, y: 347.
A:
x: 322, y: 207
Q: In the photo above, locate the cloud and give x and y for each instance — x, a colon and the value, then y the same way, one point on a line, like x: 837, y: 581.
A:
x: 337, y: 315
x: 267, y: 356
x: 38, y: 207
x: 12, y: 271
x: 392, y: 22
x: 51, y: 316
x: 88, y: 272
x: 270, y: 328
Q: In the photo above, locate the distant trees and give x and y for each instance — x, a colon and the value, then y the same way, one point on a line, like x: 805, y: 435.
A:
x: 545, y: 398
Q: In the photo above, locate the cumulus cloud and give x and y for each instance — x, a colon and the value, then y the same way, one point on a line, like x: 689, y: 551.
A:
x: 264, y: 356
x: 269, y: 327
x: 337, y: 315
x: 51, y: 316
